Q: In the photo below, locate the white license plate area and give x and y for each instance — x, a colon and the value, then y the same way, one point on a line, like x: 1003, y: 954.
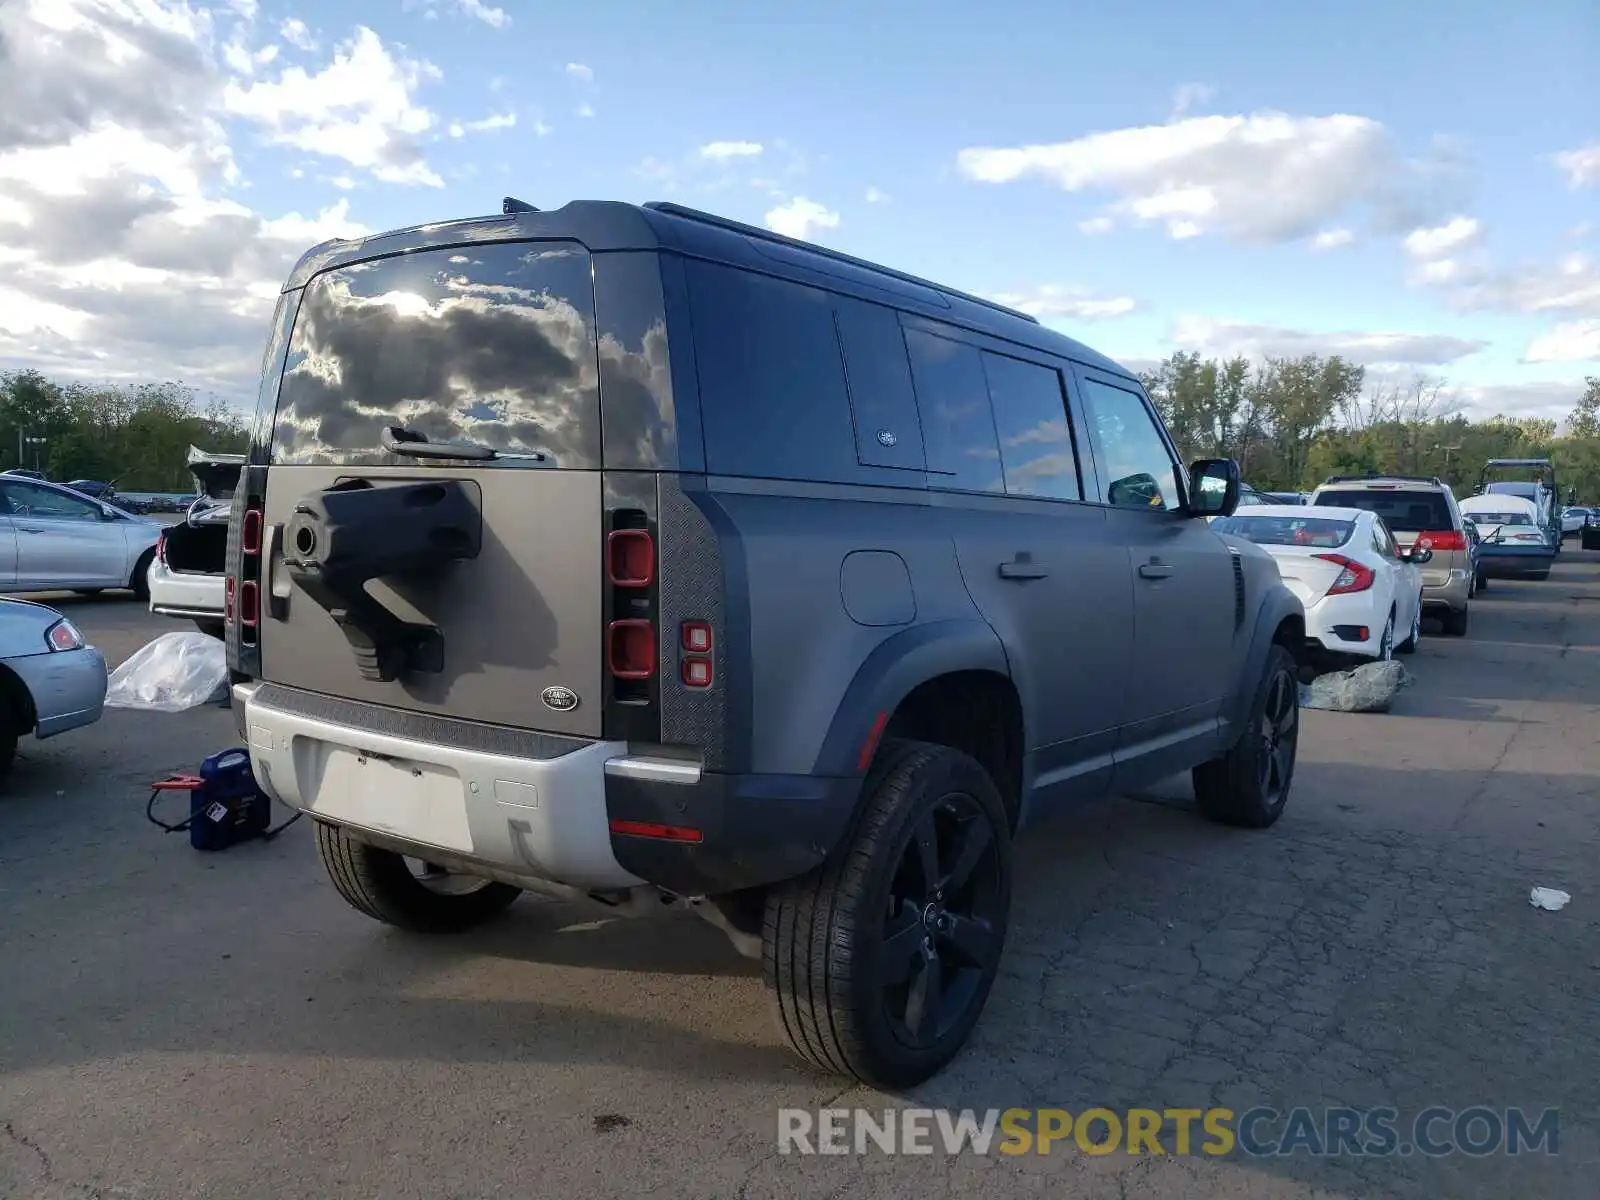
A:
x: 416, y: 801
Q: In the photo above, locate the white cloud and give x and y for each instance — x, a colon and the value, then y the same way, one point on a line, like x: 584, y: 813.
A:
x: 496, y: 18
x: 723, y: 151
x: 1443, y: 240
x: 487, y: 124
x: 876, y: 196
x: 1265, y: 177
x: 1188, y: 96
x: 1095, y: 226
x: 360, y: 108
x: 1055, y: 300
x: 1224, y: 339
x: 585, y: 110
x: 800, y: 217
x: 1581, y: 166
x: 1571, y: 285
x: 1546, y: 399
x: 124, y: 254
x: 1570, y: 341
x: 297, y: 34
x: 580, y: 72
x: 1332, y: 239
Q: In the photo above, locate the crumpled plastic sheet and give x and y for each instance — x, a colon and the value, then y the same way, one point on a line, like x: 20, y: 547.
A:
x: 1371, y: 687
x: 175, y: 672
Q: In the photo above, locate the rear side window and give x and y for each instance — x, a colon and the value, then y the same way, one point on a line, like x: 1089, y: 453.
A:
x: 1402, y: 511
x: 773, y: 398
x: 1030, y: 415
x: 492, y: 344
x: 957, y: 423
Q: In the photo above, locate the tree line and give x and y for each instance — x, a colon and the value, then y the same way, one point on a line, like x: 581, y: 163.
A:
x: 135, y: 437
x: 1292, y: 422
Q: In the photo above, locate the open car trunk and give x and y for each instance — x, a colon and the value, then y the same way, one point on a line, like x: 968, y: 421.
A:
x: 198, y: 545
x: 493, y: 560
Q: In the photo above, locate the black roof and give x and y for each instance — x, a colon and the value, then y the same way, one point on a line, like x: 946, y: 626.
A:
x: 605, y: 225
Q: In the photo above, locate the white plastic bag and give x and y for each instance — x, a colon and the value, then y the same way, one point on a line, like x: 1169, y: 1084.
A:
x: 175, y: 672
x: 1549, y: 899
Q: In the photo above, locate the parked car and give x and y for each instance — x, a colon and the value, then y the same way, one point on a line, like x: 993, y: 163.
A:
x: 1514, y: 545
x: 53, y: 537
x: 187, y: 579
x: 51, y: 679
x: 1283, y: 497
x: 798, y: 636
x: 1361, y: 591
x: 1589, y: 537
x: 1572, y: 520
x: 1419, y: 511
x: 1541, y: 491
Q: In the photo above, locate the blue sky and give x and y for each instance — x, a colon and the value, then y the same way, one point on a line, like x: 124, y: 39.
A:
x: 1412, y: 186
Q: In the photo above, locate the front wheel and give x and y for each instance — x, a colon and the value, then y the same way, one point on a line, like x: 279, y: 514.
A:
x: 1249, y: 785
x: 384, y: 886
x: 880, y: 961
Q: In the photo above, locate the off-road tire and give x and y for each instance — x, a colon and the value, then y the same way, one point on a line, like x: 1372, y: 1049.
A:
x: 1455, y: 621
x: 823, y: 933
x: 380, y: 884
x: 1230, y: 790
x: 139, y: 581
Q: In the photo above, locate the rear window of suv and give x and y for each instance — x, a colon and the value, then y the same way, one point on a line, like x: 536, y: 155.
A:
x: 1402, y: 511
x: 492, y: 344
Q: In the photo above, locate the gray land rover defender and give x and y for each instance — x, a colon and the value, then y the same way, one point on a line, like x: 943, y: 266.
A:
x: 631, y: 552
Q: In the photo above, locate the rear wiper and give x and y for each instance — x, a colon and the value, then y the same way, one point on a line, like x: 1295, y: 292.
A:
x: 397, y: 439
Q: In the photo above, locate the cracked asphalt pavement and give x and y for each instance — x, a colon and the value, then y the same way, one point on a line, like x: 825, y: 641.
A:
x: 176, y: 1024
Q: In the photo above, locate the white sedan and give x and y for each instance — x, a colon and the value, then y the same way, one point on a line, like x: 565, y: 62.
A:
x: 1362, y: 592
x: 1572, y: 520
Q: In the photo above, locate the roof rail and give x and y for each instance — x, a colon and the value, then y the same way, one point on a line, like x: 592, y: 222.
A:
x: 1433, y: 479
x: 766, y: 235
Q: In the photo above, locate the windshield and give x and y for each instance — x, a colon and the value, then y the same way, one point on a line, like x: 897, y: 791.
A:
x: 1322, y: 532
x: 494, y: 344
x: 1402, y: 512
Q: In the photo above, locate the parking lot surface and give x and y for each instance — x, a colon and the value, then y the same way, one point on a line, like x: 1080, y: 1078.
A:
x: 177, y: 1024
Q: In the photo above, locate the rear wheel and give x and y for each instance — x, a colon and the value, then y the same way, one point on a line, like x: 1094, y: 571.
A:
x: 1455, y: 621
x: 1409, y: 646
x: 209, y: 626
x: 1481, y: 580
x: 386, y: 887
x: 1249, y: 785
x: 880, y: 961
x: 139, y: 581
x: 1386, y: 642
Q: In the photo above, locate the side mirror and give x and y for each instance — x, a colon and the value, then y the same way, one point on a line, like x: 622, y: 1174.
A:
x: 1419, y: 555
x: 1213, y: 487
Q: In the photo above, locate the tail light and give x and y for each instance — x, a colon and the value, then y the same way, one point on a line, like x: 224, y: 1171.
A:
x: 1444, y: 539
x: 630, y: 558
x: 249, y: 604
x: 631, y: 649
x: 250, y: 534
x: 228, y: 593
x: 694, y: 638
x: 242, y: 595
x: 1353, y: 576
x: 161, y: 547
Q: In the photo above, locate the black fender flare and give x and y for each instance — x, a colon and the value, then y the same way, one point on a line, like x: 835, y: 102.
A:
x: 896, y: 667
x: 1278, y: 604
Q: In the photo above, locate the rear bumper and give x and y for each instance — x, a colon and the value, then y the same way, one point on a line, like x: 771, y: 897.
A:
x: 1511, y: 561
x: 1451, y: 592
x: 546, y: 818
x: 185, y: 594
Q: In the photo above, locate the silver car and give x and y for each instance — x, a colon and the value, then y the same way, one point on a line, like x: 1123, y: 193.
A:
x: 51, y: 679
x: 52, y: 537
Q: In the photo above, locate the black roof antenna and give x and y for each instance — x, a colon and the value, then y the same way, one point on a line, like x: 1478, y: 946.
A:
x: 512, y: 205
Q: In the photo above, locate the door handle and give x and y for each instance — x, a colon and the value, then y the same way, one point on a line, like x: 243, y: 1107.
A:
x: 1155, y: 569
x: 1023, y: 567
x: 28, y: 529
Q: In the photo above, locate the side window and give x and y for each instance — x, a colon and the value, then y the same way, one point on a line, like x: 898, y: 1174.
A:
x: 888, y: 432
x: 1138, y: 466
x: 29, y: 501
x: 772, y: 387
x: 957, y: 425
x: 1030, y: 416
